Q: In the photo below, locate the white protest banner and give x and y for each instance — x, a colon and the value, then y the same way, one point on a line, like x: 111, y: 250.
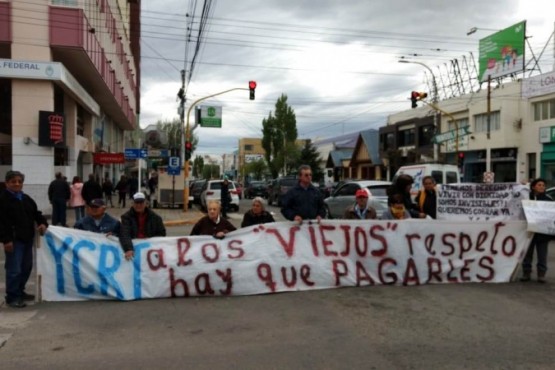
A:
x: 481, y: 202
x: 278, y: 257
x: 540, y: 216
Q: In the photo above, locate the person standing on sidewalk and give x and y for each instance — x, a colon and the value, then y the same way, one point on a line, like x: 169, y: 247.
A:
x: 76, y: 200
x: 91, y: 189
x: 225, y: 197
x: 138, y: 223
x: 59, y: 194
x: 122, y: 187
x: 108, y: 190
x: 19, y: 216
x: 539, y: 241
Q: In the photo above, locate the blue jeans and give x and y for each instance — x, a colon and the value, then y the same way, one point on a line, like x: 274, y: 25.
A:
x: 79, y: 212
x: 59, y: 212
x: 19, y: 264
x: 540, y: 244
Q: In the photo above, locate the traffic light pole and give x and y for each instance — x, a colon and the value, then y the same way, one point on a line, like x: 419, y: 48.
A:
x: 188, y: 132
x: 435, y: 107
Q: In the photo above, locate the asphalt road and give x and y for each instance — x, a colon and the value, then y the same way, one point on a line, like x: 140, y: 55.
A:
x: 466, y: 326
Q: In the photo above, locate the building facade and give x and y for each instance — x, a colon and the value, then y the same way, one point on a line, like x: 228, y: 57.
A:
x: 69, y: 86
x: 499, y: 135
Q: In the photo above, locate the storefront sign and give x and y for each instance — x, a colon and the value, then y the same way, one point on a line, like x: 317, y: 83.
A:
x: 52, y: 130
x: 108, y: 158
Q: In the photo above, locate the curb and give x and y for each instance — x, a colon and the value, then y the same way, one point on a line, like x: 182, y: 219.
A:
x: 181, y: 222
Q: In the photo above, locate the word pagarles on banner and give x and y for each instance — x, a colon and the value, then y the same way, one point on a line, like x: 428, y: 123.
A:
x: 481, y: 202
x: 279, y: 257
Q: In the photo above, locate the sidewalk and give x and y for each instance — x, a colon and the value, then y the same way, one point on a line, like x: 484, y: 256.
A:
x: 170, y: 216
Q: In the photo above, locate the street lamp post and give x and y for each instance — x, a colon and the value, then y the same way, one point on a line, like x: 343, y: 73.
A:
x: 435, y: 99
x: 188, y: 133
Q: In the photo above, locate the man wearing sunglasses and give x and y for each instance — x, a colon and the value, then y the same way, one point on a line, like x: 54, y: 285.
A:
x: 303, y: 201
x: 97, y: 220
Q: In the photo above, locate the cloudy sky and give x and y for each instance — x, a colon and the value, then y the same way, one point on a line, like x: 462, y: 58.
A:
x: 336, y: 60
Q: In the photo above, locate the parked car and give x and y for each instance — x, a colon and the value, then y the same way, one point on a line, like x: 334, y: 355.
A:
x: 196, y: 190
x: 212, y: 190
x: 256, y: 189
x: 279, y: 187
x: 344, y: 196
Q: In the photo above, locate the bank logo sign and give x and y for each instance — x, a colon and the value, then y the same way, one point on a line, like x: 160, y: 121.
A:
x: 211, y: 116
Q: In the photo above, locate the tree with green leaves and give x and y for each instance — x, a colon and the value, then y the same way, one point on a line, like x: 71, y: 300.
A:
x: 279, y: 133
x: 256, y: 169
x: 198, y: 166
x: 309, y: 155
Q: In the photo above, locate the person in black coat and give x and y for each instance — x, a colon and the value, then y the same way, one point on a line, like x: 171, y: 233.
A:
x: 539, y: 241
x: 257, y: 214
x: 402, y: 185
x: 426, y: 199
x: 19, y: 217
x: 58, y: 195
x: 91, y: 190
x: 225, y: 197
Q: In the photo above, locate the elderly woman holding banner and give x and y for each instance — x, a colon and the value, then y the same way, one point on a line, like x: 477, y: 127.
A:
x: 539, y: 241
x: 257, y: 214
x: 213, y: 224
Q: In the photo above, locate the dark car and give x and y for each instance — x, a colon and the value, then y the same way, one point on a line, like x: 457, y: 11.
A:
x: 256, y: 189
x: 196, y: 190
x: 279, y: 187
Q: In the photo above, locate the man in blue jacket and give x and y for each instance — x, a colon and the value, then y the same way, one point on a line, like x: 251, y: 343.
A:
x: 19, y: 217
x: 303, y: 201
x: 97, y: 220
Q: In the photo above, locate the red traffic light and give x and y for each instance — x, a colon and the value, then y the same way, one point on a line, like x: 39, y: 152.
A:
x: 188, y: 145
x: 252, y: 85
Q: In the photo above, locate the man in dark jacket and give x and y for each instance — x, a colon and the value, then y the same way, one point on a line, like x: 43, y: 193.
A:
x: 138, y: 223
x: 303, y: 201
x: 91, y: 190
x: 97, y: 220
x: 18, y: 218
x: 58, y: 195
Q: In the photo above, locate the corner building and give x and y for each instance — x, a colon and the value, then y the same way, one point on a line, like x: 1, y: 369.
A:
x: 69, y: 65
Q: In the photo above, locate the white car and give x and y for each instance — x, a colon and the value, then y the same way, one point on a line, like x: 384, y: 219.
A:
x: 211, y: 190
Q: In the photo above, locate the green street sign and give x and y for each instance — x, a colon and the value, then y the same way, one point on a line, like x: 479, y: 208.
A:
x: 451, y: 135
x: 211, y: 116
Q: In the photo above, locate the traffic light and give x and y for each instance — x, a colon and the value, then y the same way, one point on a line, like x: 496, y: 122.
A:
x: 416, y: 96
x: 252, y: 86
x: 460, y: 159
x: 188, y: 150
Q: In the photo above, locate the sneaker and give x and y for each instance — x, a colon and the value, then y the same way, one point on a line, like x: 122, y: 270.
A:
x: 17, y: 304
x: 525, y: 277
x: 28, y: 297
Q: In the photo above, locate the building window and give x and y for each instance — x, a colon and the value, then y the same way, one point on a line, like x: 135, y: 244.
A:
x: 544, y: 110
x: 426, y: 134
x: 460, y: 123
x: 406, y: 137
x: 481, y: 122
x: 64, y: 2
x: 388, y: 141
x: 61, y: 157
x: 80, y: 121
x: 248, y: 148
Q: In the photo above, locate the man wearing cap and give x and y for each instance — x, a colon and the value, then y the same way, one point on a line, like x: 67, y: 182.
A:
x: 19, y: 216
x: 97, y: 220
x: 138, y: 223
x: 360, y: 210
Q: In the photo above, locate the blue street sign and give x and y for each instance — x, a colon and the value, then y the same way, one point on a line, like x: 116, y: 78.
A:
x: 133, y: 153
x: 174, y: 166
